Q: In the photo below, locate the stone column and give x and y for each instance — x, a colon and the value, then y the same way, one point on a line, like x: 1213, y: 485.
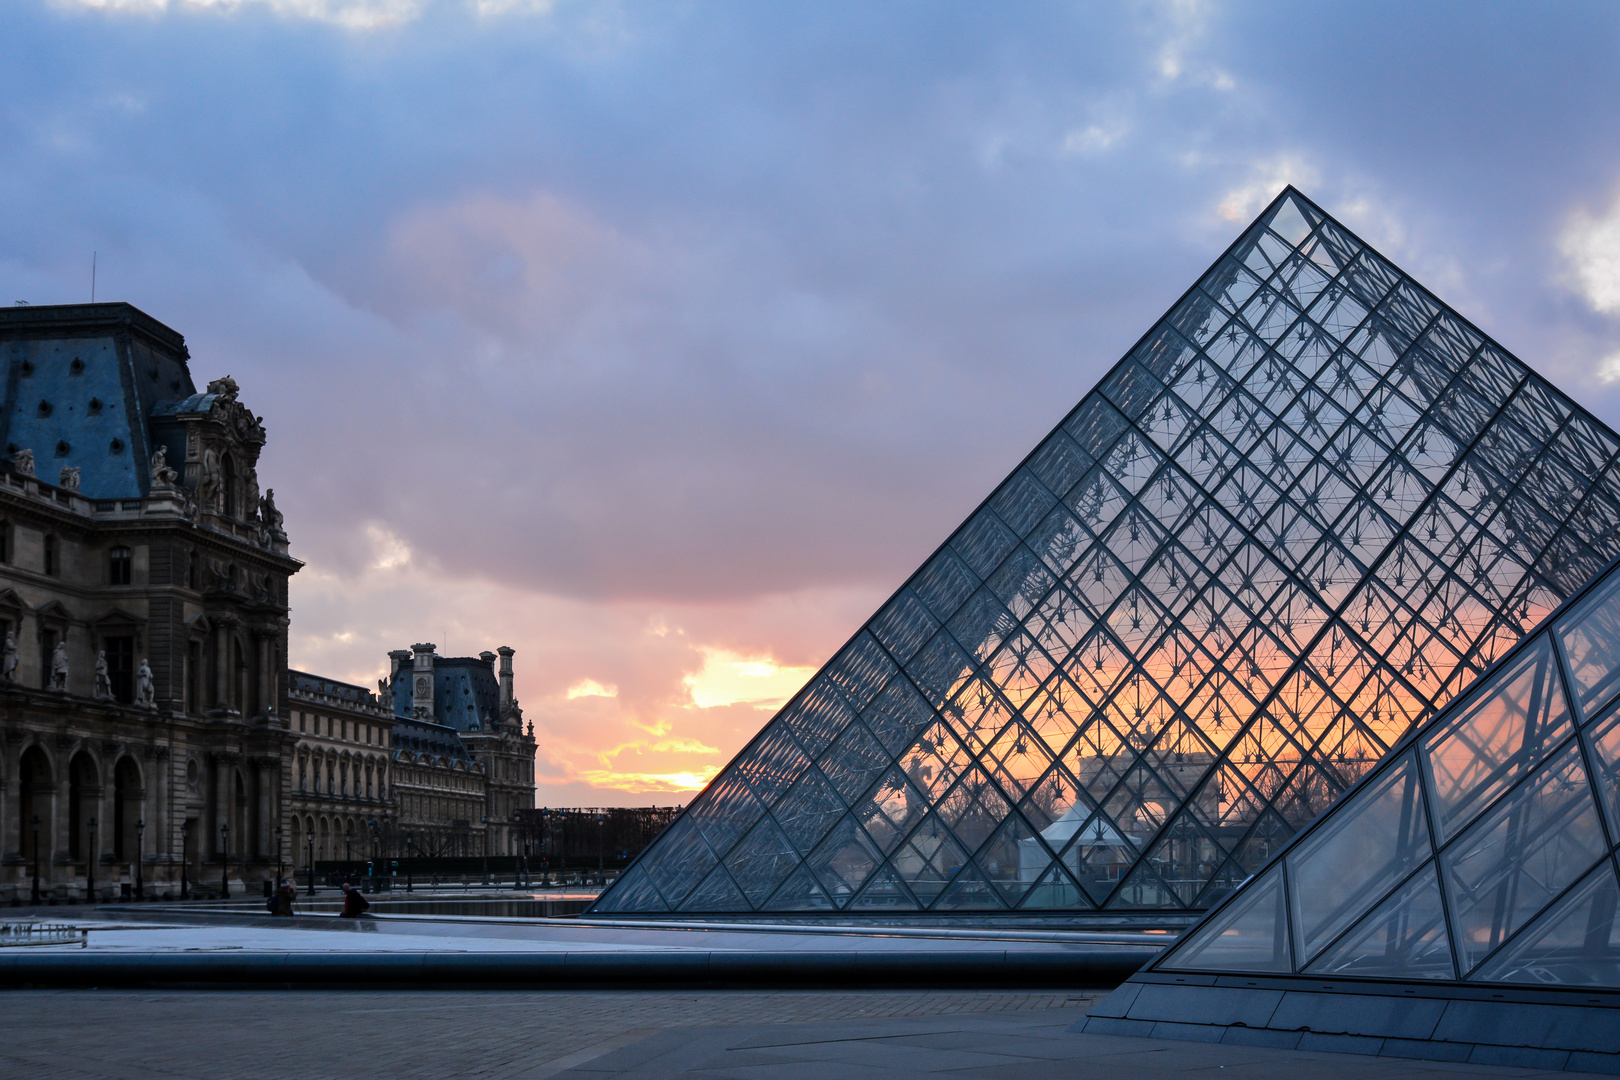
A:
x: 61, y: 816
x: 222, y: 666
x: 11, y: 803
x: 222, y: 801
x: 265, y: 704
x: 265, y: 770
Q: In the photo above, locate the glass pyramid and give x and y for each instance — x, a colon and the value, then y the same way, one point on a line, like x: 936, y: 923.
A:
x: 1307, y: 508
x: 1482, y: 850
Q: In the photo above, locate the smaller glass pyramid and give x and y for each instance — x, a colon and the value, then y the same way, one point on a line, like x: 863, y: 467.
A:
x: 1480, y: 850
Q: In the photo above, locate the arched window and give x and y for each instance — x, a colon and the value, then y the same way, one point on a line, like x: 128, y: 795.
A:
x: 119, y: 566
x: 35, y: 803
x: 127, y: 800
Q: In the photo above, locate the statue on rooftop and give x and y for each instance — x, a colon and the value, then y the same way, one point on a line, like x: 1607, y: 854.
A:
x: 22, y: 462
x: 69, y: 478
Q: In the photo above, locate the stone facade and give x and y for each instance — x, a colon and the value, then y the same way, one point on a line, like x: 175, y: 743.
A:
x: 150, y: 731
x: 144, y: 602
x: 342, y: 799
x: 467, y: 697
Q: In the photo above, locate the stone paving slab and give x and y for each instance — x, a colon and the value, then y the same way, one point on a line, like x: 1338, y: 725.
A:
x: 627, y: 1035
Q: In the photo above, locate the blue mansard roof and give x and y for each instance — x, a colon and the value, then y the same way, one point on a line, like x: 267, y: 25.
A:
x: 466, y: 695
x: 82, y: 382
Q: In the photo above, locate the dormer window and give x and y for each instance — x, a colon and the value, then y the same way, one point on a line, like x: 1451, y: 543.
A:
x: 95, y: 406
x: 77, y: 367
x: 44, y: 408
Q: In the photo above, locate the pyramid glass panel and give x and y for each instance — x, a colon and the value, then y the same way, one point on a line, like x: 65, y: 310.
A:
x: 1522, y: 887
x: 1306, y: 511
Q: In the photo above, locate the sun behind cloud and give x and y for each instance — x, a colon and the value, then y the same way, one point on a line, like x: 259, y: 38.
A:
x: 730, y: 678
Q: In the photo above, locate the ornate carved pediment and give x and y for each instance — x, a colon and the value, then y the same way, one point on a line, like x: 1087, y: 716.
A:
x: 54, y: 613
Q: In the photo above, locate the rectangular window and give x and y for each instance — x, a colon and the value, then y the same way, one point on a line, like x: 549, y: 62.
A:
x: 121, y: 666
x: 301, y: 722
x: 5, y: 542
x: 52, y: 557
x: 119, y: 565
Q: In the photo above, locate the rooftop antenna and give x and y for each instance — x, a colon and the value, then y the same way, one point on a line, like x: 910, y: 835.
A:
x: 92, y: 277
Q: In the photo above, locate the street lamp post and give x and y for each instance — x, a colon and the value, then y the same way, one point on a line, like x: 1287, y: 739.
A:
x: 140, y: 851
x: 348, y: 854
x: 310, y: 838
x: 224, y: 861
x: 486, y: 851
x: 185, y: 854
x: 36, y: 860
x: 601, y: 874
x: 279, y: 861
x: 90, y: 866
x: 371, y: 824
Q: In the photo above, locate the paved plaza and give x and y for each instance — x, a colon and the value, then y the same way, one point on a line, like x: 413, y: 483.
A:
x: 648, y: 1035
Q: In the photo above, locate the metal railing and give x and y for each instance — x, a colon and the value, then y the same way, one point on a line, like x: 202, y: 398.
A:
x: 30, y: 933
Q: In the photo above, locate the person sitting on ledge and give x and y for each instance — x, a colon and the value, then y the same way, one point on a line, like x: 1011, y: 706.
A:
x: 282, y: 902
x: 354, y: 904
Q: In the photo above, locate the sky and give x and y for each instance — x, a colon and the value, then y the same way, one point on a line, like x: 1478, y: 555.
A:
x: 662, y: 341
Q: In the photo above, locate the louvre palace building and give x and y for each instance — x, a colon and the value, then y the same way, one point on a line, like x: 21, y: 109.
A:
x: 152, y: 729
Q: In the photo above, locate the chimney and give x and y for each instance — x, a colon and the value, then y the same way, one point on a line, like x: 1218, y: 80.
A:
x: 422, y: 681
x: 396, y: 660
x: 506, y: 652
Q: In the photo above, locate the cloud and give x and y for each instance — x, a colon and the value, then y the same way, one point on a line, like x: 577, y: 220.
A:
x: 1591, y: 245
x: 352, y: 14
x: 729, y: 678
x: 591, y: 688
x: 654, y: 340
x: 1266, y: 178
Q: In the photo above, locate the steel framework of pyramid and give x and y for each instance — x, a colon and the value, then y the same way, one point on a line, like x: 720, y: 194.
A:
x: 1304, y: 511
x: 1480, y: 852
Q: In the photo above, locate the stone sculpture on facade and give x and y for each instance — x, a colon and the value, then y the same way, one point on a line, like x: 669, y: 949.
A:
x: 145, y: 689
x: 162, y: 475
x: 22, y: 463
x: 271, y: 517
x: 59, y: 667
x: 211, y: 485
x: 385, y: 693
x: 69, y: 478
x: 104, y: 690
x: 8, y: 659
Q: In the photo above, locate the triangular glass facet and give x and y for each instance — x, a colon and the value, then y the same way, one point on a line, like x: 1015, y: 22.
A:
x: 1576, y: 943
x: 1306, y: 510
x: 717, y: 892
x: 1249, y: 934
x: 1403, y: 938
